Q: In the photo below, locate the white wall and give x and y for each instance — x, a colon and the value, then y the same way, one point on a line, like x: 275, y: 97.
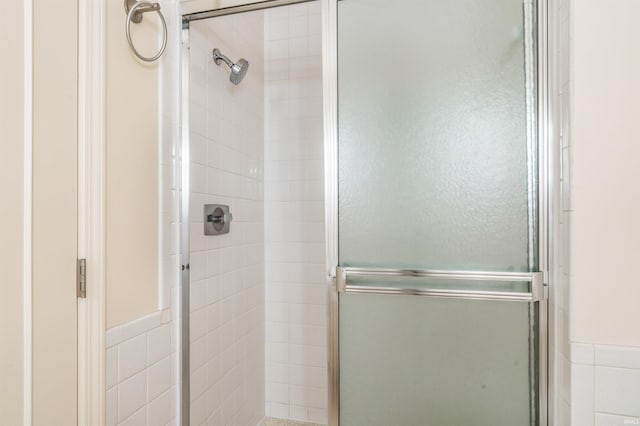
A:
x: 131, y: 169
x: 294, y: 211
x: 54, y: 225
x: 227, y: 271
x: 604, y: 205
x: 11, y: 211
x: 605, y: 197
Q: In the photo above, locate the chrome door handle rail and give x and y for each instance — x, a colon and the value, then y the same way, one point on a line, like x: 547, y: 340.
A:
x: 535, y: 279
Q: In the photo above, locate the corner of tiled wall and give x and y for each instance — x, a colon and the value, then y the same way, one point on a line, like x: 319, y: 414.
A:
x: 559, y: 27
x: 227, y: 271
x: 296, y: 376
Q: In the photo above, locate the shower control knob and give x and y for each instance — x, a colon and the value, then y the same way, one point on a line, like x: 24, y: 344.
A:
x: 216, y: 219
x: 220, y: 218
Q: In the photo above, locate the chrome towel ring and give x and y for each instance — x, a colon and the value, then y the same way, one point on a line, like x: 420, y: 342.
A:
x: 135, y: 11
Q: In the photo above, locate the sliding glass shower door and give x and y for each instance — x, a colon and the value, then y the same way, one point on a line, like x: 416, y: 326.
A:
x: 439, y: 294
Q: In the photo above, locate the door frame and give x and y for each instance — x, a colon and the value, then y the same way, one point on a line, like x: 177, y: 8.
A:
x: 544, y: 167
x: 91, y: 212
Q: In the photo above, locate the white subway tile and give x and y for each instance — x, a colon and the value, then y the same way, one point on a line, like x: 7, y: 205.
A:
x: 299, y: 413
x: 214, y: 316
x: 198, y: 119
x: 158, y: 378
x: 315, y: 24
x: 617, y: 356
x: 279, y: 352
x: 279, y: 312
x: 317, y: 397
x: 198, y: 382
x: 298, y: 395
x: 197, y: 264
x: 278, y: 29
x: 298, y: 26
x: 213, y: 290
x: 214, y: 397
x: 279, y: 373
x: 112, y: 407
x: 214, y: 370
x: 199, y: 410
x: 199, y: 145
x: 317, y: 356
x: 166, y: 316
x: 280, y: 393
x: 115, y: 335
x: 132, y: 395
x: 198, y: 179
x: 198, y: 324
x: 317, y: 377
x: 279, y: 50
x: 137, y: 419
x: 279, y: 410
x: 318, y: 415
x: 582, y: 353
x: 279, y: 332
x: 159, y: 410
x: 582, y: 395
x: 617, y: 391
x: 603, y: 419
x: 298, y: 375
x: 111, y: 373
x: 198, y: 353
x: 132, y: 356
x: 158, y: 343
x: 297, y: 10
x: 197, y: 295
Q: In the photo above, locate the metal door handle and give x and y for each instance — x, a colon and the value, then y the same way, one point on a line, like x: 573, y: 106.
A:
x: 220, y: 218
x: 535, y: 294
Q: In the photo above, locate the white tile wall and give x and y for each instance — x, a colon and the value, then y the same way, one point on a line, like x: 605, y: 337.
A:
x: 227, y: 271
x: 605, y: 383
x: 560, y: 86
x: 139, y: 373
x: 296, y: 376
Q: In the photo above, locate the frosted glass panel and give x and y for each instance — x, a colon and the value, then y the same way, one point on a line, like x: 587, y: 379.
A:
x: 417, y: 361
x: 434, y: 173
x: 432, y: 134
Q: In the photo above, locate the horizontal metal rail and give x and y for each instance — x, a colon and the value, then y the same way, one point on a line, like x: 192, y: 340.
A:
x: 535, y: 294
x: 232, y: 10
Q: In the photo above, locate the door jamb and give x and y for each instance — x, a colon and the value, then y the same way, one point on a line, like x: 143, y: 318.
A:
x: 91, y: 212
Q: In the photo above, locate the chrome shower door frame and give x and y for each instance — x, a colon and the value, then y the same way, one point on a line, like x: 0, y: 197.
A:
x: 542, y: 187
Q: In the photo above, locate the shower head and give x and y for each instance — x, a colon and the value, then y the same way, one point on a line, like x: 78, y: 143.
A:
x: 238, y: 69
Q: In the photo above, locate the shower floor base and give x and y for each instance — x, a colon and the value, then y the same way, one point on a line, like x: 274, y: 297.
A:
x: 270, y: 421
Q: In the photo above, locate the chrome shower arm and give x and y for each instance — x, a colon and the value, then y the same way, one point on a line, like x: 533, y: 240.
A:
x: 218, y: 56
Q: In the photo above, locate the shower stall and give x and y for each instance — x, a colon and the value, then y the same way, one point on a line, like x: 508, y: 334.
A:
x: 364, y: 213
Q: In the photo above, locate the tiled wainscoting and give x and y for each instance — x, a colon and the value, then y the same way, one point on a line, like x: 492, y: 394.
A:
x: 139, y: 378
x: 605, y: 385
